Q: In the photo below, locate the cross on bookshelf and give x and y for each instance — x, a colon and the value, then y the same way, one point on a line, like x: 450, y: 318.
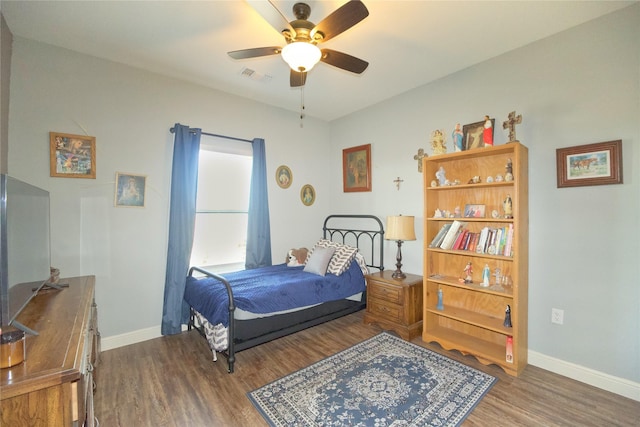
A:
x: 511, y: 123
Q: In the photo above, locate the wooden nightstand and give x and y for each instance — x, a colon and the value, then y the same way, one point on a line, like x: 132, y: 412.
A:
x: 395, y: 304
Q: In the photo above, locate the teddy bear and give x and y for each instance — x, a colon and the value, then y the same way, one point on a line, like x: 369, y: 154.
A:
x: 296, y: 257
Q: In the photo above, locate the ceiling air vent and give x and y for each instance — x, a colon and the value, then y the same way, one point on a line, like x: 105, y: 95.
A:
x: 254, y: 75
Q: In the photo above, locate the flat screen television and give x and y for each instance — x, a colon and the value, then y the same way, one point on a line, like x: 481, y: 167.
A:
x: 25, y: 257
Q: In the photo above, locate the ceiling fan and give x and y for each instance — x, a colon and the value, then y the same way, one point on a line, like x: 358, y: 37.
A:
x: 302, y: 37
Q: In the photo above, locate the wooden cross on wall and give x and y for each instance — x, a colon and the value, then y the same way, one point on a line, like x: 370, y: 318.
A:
x: 398, y: 181
x: 511, y: 123
x: 419, y: 158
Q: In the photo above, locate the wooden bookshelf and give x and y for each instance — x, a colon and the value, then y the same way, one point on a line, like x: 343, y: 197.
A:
x: 473, y: 314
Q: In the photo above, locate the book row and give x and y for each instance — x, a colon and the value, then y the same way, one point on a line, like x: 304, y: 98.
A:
x: 493, y: 241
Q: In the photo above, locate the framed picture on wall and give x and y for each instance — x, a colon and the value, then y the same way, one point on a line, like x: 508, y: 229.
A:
x: 72, y: 156
x: 307, y: 194
x: 356, y: 168
x: 284, y: 177
x: 591, y: 164
x: 130, y: 190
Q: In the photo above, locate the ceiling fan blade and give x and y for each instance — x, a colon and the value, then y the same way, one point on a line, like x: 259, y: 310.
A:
x: 272, y: 15
x: 297, y: 79
x: 344, y: 61
x: 255, y: 52
x: 341, y: 19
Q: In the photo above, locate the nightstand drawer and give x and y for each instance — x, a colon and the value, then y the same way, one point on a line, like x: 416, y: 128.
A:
x: 384, y: 309
x: 386, y: 293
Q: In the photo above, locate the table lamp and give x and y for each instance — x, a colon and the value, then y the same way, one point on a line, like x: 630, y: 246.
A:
x: 400, y: 228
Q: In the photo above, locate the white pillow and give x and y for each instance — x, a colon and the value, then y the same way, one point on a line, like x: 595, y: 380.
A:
x: 319, y: 260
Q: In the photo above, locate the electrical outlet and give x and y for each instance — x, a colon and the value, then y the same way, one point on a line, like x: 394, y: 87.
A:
x: 557, y: 316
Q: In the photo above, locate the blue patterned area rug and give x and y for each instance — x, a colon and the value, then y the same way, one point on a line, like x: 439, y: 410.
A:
x: 384, y: 381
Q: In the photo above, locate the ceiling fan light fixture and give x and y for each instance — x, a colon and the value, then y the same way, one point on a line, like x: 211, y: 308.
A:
x: 301, y: 56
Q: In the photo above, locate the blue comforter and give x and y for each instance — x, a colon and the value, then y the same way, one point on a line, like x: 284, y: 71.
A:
x: 270, y: 289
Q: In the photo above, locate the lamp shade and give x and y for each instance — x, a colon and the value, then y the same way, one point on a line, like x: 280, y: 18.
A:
x: 301, y: 56
x: 400, y: 228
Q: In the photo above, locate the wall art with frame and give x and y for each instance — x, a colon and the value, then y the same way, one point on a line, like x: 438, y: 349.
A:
x: 356, y: 168
x: 130, y: 190
x: 72, y: 156
x: 473, y: 132
x: 591, y: 164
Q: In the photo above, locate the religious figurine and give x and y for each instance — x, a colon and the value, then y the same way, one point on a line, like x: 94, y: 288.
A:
x: 457, y: 136
x: 440, y: 175
x: 468, y: 270
x: 487, y: 133
x: 507, y: 317
x: 507, y: 206
x: 486, y: 273
x: 508, y: 176
x: 437, y: 142
x: 498, y: 273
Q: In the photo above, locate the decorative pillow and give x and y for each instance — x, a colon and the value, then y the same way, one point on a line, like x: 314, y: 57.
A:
x: 362, y: 263
x: 319, y: 260
x: 342, y: 257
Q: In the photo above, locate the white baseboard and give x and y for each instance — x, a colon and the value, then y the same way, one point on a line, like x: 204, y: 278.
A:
x: 589, y: 376
x: 108, y: 343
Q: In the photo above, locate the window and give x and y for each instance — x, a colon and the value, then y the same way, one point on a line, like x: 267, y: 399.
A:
x: 224, y: 181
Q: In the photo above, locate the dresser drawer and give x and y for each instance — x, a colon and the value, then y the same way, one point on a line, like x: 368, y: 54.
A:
x: 385, y: 292
x: 384, y: 309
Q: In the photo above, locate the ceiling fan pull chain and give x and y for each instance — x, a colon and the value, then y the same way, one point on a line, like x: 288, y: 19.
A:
x: 301, y: 106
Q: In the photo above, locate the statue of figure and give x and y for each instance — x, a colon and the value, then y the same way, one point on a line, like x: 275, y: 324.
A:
x: 468, y: 270
x: 440, y: 175
x: 437, y: 142
x: 507, y: 317
x: 486, y: 273
x: 507, y: 205
x: 457, y: 136
x: 487, y: 133
x: 508, y: 176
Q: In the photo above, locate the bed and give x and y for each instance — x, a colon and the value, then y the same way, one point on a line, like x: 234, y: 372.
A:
x: 243, y: 309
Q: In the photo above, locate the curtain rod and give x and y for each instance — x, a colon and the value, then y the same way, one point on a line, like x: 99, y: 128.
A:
x: 173, y: 130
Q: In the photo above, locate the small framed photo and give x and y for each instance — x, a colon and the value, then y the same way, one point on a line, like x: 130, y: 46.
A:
x: 284, y: 177
x: 356, y: 168
x: 130, y: 190
x: 472, y: 134
x: 591, y: 164
x: 474, y: 211
x: 307, y: 194
x: 72, y: 156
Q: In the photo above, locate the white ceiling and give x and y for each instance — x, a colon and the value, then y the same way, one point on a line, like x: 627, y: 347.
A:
x: 407, y: 43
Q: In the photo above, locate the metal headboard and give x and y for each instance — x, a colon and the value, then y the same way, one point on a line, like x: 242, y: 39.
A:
x: 371, y: 233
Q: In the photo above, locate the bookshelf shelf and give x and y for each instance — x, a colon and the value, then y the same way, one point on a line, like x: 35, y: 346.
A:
x: 473, y: 315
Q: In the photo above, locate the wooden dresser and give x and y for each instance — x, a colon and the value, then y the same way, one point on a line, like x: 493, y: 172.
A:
x: 54, y: 385
x: 395, y: 304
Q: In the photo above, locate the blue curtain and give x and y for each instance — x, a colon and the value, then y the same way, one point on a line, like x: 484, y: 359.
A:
x: 258, y: 229
x: 182, y: 218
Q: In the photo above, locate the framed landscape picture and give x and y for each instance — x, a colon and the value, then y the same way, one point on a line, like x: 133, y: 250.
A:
x: 356, y: 168
x: 591, y: 164
x: 72, y: 156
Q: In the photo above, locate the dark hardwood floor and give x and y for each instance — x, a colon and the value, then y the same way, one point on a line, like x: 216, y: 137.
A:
x: 172, y: 381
